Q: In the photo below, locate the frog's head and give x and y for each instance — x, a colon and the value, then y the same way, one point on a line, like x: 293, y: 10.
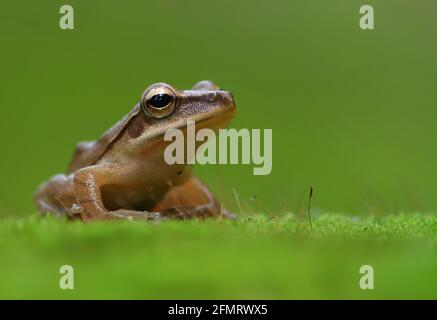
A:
x: 165, y: 107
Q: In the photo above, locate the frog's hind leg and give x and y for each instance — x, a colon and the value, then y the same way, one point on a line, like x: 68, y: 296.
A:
x: 190, y: 200
x: 48, y: 197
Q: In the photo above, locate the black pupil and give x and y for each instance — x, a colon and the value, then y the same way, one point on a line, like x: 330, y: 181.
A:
x: 160, y: 100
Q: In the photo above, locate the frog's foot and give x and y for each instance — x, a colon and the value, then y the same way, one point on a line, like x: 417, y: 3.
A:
x: 176, y: 213
x: 52, y: 195
x: 135, y: 215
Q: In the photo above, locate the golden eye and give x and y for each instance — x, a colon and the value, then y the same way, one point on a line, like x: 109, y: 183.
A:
x: 158, y: 101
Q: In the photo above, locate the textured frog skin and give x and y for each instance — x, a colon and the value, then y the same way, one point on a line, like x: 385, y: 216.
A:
x: 123, y: 175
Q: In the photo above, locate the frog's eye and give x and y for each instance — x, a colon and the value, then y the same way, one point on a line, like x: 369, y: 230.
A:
x: 158, y: 102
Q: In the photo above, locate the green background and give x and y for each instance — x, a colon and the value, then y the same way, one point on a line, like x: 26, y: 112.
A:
x: 352, y: 111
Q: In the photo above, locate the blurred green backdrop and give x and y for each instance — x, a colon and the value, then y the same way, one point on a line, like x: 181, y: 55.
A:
x: 352, y: 111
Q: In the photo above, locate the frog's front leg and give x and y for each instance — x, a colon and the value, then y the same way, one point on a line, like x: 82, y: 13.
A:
x: 87, y: 184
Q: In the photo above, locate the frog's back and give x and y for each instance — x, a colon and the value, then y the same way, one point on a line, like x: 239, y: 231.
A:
x: 89, y: 152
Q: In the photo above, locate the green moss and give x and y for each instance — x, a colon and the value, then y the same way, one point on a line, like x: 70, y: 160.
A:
x: 256, y: 257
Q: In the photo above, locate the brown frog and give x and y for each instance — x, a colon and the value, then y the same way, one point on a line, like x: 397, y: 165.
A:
x: 123, y: 174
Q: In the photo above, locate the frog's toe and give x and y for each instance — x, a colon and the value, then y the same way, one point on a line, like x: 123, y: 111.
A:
x: 228, y: 215
x: 124, y: 214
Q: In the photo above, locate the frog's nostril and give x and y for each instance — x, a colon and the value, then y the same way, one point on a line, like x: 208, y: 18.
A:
x: 212, y: 97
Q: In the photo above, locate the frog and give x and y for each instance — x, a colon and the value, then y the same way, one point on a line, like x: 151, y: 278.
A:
x: 123, y: 174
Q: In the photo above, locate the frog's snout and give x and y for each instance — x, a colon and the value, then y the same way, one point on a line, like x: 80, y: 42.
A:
x: 205, y: 101
x: 227, y: 97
